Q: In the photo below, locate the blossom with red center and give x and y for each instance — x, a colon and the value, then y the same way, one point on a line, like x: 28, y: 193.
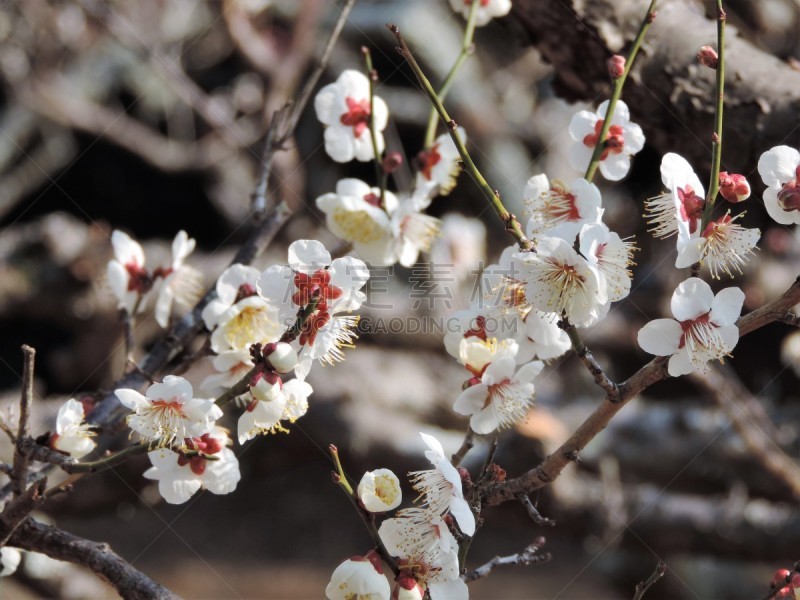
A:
x: 611, y: 255
x: 779, y: 168
x: 316, y: 286
x: 501, y: 398
x: 624, y: 140
x: 724, y: 246
x: 73, y: 435
x: 168, y: 412
x: 344, y: 108
x: 680, y: 208
x: 703, y: 328
x: 202, y: 462
x: 486, y: 10
x: 129, y: 279
x: 733, y: 187
x: 179, y: 283
x: 379, y: 491
x: 553, y: 204
x: 439, y: 165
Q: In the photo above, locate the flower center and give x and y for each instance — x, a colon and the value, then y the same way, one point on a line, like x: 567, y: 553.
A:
x: 317, y: 285
x: 691, y: 207
x: 789, y: 196
x: 252, y: 324
x: 139, y: 280
x: 615, y: 141
x: 479, y: 331
x: 359, y: 225
x: 702, y: 340
x: 427, y: 160
x: 312, y: 326
x: 357, y: 115
x: 559, y: 204
x: 245, y: 291
x: 564, y: 283
x: 509, y: 402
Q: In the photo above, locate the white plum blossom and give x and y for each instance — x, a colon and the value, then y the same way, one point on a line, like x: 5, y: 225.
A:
x: 236, y: 283
x: 476, y: 352
x: 127, y: 275
x: 297, y: 392
x: 354, y: 213
x: 265, y: 410
x: 73, y: 435
x: 379, y: 491
x: 336, y: 288
x: 168, y: 412
x: 439, y: 165
x: 553, y: 204
x: 703, y: 329
x: 203, y: 462
x: 359, y: 578
x: 412, y: 230
x: 486, y: 10
x: 9, y: 560
x: 724, y: 245
x: 344, y: 108
x: 502, y: 397
x: 442, y: 486
x: 611, y: 256
x: 182, y: 284
x: 546, y: 340
x: 679, y: 209
x: 624, y: 140
x: 560, y: 280
x: 231, y: 366
x: 779, y: 168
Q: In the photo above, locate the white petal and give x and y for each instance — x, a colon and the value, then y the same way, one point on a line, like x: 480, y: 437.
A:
x: 727, y: 306
x: 340, y: 144
x: 484, y: 421
x: 680, y: 364
x: 471, y: 400
x: 633, y: 137
x: 499, y: 371
x: 777, y: 165
x: 536, y: 186
x: 308, y: 256
x: 691, y: 299
x: 326, y: 106
x: 178, y: 491
x: 615, y: 166
x: 784, y: 217
x: 730, y: 336
x: 689, y: 251
x: 581, y: 125
x: 132, y: 399
x: 660, y: 337
x: 528, y: 372
x: 463, y: 514
x: 579, y: 156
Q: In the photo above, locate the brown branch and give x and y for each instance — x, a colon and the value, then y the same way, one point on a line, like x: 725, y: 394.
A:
x: 653, y: 372
x: 19, y: 474
x: 533, y: 512
x: 466, y: 446
x: 19, y: 508
x: 733, y: 397
x: 130, y: 583
x: 587, y: 358
x: 643, y: 586
x: 529, y: 556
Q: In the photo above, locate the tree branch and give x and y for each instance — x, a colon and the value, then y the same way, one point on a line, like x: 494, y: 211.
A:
x: 19, y: 474
x: 529, y: 556
x: 643, y: 586
x: 130, y: 583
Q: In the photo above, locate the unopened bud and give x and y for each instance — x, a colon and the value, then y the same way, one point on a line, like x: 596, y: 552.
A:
x: 708, y: 56
x: 616, y: 66
x: 733, y: 187
x: 392, y: 162
x: 283, y: 358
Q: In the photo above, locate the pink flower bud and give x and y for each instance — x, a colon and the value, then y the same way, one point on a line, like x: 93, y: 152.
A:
x: 392, y: 162
x: 616, y: 66
x: 708, y: 56
x: 733, y: 187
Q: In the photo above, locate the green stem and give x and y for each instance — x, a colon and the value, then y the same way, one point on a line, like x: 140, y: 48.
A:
x: 716, y: 139
x: 109, y: 461
x: 511, y: 223
x: 594, y: 163
x: 380, y: 178
x: 466, y: 50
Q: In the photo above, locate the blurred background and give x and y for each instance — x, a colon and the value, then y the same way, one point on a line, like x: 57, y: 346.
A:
x: 148, y: 116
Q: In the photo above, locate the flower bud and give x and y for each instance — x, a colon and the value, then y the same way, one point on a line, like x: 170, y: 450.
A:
x: 392, y: 162
x: 357, y: 577
x: 283, y: 358
x: 733, y: 187
x: 379, y: 490
x: 708, y: 56
x: 407, y: 588
x: 616, y: 66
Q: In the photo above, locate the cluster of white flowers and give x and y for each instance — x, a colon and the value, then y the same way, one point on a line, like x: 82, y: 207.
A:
x: 133, y: 284
x: 420, y: 538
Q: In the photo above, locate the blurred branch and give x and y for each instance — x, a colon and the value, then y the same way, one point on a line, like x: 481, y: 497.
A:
x: 734, y: 398
x: 19, y: 508
x: 643, y: 586
x: 529, y: 556
x: 130, y: 583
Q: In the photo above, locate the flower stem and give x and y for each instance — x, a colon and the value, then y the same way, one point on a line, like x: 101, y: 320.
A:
x: 493, y: 196
x: 372, y: 76
x: 617, y: 91
x: 716, y: 138
x: 109, y: 461
x: 466, y: 50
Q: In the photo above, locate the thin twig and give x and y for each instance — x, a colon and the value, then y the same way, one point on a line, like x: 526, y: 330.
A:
x: 19, y: 475
x: 493, y: 196
x: 466, y: 446
x: 533, y: 513
x: 372, y: 77
x: 19, y: 508
x: 529, y: 556
x: 587, y: 358
x: 643, y: 586
x: 34, y: 451
x: 619, y: 83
